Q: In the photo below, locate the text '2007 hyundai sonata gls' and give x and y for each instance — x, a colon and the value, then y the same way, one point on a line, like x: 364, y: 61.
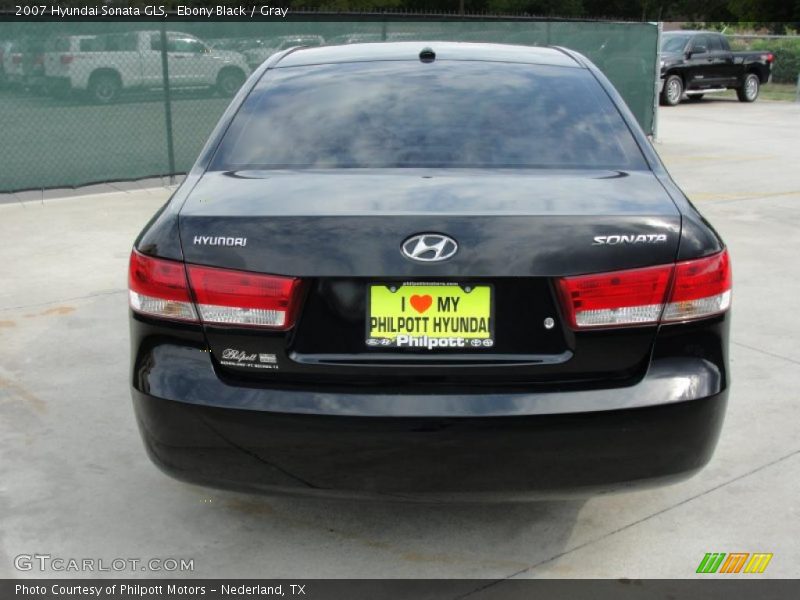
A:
x: 432, y: 270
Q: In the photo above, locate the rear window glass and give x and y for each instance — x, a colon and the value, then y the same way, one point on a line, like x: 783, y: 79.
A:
x: 444, y: 114
x: 714, y: 43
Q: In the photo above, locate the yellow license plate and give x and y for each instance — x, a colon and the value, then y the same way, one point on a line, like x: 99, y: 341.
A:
x: 430, y: 316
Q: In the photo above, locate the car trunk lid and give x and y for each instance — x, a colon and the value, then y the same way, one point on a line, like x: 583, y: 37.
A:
x: 507, y: 224
x: 341, y: 232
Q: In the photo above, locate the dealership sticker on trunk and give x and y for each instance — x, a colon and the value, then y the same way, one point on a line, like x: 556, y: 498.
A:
x: 429, y: 316
x: 234, y: 357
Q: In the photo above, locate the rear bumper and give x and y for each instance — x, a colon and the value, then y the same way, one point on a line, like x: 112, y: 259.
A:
x: 430, y: 458
x: 202, y: 424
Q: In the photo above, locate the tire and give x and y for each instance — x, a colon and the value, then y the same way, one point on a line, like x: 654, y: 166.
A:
x: 751, y: 86
x: 696, y: 97
x: 104, y: 88
x: 229, y: 81
x: 673, y: 91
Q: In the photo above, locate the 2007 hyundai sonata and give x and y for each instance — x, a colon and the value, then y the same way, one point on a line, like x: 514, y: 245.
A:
x: 429, y: 271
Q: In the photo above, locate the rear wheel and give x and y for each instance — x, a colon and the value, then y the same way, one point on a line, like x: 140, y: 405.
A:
x: 104, y: 88
x: 672, y: 92
x: 750, y: 88
x: 229, y: 81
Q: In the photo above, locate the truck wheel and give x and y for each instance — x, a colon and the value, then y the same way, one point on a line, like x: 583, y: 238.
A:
x: 672, y: 92
x: 104, y: 88
x: 750, y: 88
x: 229, y: 81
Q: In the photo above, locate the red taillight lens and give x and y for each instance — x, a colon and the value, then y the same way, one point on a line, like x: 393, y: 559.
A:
x: 158, y: 287
x: 769, y: 57
x: 702, y: 288
x: 242, y: 298
x: 634, y: 297
x: 67, y: 59
x: 699, y: 288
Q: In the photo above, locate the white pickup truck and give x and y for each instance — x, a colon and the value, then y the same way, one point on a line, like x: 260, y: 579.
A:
x: 105, y: 66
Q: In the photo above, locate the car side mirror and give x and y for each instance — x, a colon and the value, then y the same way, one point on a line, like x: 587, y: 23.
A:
x: 697, y: 50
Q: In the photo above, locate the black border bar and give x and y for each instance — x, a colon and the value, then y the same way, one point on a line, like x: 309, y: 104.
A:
x: 711, y: 587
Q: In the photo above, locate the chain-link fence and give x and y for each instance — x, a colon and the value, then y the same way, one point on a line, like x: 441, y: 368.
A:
x: 86, y: 102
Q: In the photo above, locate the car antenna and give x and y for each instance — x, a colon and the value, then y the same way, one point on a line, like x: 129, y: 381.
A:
x: 427, y: 55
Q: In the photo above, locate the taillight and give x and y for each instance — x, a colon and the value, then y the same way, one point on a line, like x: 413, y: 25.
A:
x: 768, y: 57
x: 67, y: 59
x: 158, y: 287
x: 702, y: 288
x: 634, y: 297
x: 242, y: 298
x: 687, y: 290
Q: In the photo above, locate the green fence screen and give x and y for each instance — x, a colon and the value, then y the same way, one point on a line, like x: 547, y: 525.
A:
x: 85, y: 102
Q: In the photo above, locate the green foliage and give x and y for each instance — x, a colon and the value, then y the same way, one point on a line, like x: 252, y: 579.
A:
x: 787, y: 58
x: 348, y: 5
x: 544, y: 8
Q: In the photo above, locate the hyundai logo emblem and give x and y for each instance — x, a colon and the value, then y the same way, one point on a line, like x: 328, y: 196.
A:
x: 429, y: 247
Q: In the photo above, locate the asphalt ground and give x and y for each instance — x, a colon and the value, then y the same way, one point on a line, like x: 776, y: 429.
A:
x: 75, y: 481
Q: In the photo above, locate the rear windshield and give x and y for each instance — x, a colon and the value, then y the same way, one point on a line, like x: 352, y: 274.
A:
x: 445, y: 114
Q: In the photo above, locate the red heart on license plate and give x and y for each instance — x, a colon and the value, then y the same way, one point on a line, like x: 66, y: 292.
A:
x: 421, y: 303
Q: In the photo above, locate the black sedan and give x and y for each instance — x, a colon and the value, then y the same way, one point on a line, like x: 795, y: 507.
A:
x: 429, y: 271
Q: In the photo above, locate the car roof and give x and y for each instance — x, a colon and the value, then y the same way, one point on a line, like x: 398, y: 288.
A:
x: 410, y: 51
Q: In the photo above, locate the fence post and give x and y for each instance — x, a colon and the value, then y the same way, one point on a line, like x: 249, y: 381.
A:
x: 657, y: 82
x: 167, y: 103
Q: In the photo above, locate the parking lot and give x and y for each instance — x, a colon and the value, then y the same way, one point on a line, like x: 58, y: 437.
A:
x: 75, y: 481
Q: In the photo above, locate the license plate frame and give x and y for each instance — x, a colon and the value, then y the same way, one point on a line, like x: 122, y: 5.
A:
x: 472, y: 330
